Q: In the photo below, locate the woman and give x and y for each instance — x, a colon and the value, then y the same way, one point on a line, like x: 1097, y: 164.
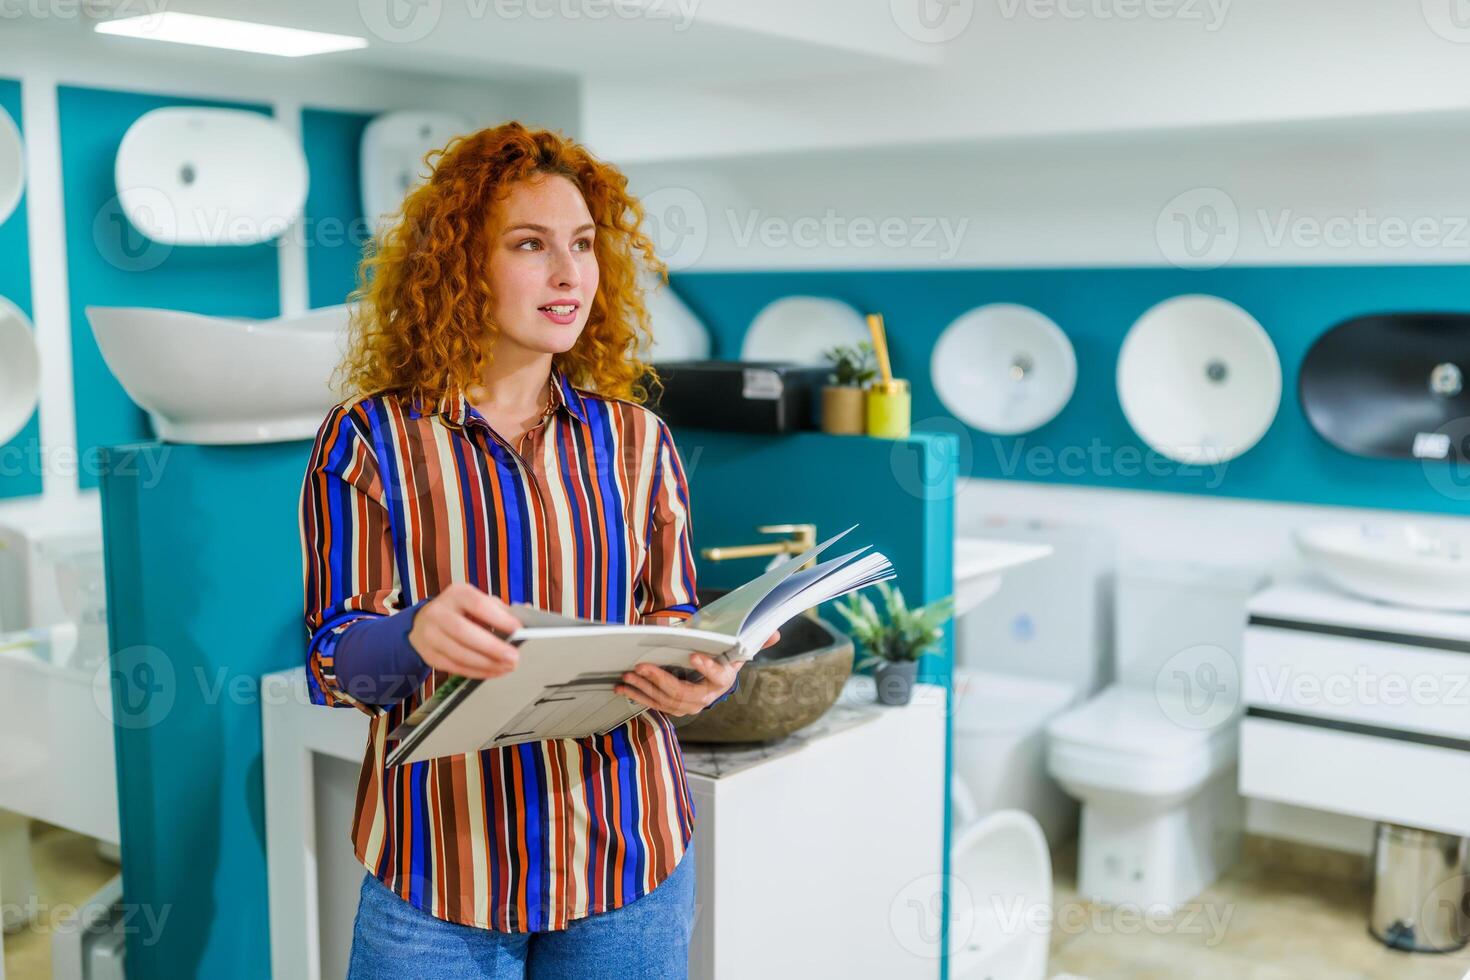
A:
x: 496, y: 450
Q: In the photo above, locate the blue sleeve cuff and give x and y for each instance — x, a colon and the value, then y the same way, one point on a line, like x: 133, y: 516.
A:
x: 732, y: 689
x: 376, y: 663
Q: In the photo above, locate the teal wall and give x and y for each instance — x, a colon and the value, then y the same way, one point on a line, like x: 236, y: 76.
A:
x: 900, y: 494
x: 204, y: 596
x: 336, y: 228
x: 1095, y: 307
x: 20, y: 472
x: 110, y: 264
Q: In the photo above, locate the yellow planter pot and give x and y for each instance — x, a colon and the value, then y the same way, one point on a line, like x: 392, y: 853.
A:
x: 888, y: 409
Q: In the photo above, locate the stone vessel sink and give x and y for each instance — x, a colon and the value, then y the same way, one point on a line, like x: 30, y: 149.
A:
x: 786, y: 687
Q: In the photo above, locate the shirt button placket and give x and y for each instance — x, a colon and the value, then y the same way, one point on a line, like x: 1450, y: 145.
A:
x: 532, y: 463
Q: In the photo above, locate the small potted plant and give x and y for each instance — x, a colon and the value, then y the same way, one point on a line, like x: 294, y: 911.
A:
x: 896, y: 639
x: 843, y: 397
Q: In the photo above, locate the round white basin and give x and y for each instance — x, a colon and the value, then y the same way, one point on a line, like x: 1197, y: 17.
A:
x: 1198, y: 379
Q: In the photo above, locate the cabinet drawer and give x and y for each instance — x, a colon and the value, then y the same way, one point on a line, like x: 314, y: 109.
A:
x: 1399, y: 686
x: 1363, y: 775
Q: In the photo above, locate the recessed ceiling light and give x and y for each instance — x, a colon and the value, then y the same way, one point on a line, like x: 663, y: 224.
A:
x: 237, y: 35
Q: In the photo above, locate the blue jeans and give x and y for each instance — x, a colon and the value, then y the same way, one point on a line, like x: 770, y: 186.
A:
x: 647, y: 938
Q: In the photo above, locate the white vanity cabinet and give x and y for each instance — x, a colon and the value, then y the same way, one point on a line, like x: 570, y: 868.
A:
x: 808, y: 848
x: 1357, y: 707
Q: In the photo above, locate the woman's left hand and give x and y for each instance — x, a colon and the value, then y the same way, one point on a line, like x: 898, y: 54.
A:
x: 651, y: 685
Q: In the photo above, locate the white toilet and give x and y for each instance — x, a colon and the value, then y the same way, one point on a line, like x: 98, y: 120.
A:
x: 1152, y: 757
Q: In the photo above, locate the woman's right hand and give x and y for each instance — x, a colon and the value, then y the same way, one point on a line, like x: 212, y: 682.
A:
x: 449, y: 632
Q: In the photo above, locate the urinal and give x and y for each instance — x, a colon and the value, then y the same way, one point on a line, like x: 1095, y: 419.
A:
x: 1198, y: 379
x: 12, y: 166
x: 393, y: 149
x: 1001, y: 870
x: 218, y: 380
x: 197, y: 176
x: 1004, y: 368
x: 801, y: 329
x: 20, y: 370
x: 678, y: 335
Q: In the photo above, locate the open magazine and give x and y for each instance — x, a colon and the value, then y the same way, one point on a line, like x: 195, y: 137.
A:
x: 563, y: 685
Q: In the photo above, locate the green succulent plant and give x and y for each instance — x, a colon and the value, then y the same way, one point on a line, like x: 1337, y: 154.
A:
x: 898, y: 633
x: 852, y: 365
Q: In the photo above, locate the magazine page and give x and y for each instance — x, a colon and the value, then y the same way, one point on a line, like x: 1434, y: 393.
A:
x: 781, y: 595
x: 832, y: 580
x: 562, y: 688
x: 729, y: 613
x: 533, y: 616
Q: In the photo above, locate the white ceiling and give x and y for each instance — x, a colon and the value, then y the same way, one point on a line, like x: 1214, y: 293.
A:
x: 658, y: 42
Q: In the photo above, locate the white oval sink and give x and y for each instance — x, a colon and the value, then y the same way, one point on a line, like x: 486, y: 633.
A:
x: 221, y: 380
x: 801, y: 329
x: 678, y: 335
x: 12, y: 166
x: 20, y: 370
x: 1406, y: 563
x: 196, y: 176
x: 392, y: 151
x: 1198, y: 379
x: 1004, y: 368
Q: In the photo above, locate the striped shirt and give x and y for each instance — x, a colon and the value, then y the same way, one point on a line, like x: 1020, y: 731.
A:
x: 587, y: 515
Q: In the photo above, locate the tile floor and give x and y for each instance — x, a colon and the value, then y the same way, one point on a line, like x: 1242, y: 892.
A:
x: 1283, y: 913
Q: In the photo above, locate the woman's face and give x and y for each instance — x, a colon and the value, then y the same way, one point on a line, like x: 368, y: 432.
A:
x: 543, y: 270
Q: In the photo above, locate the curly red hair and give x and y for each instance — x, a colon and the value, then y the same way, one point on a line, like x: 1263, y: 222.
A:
x: 424, y: 302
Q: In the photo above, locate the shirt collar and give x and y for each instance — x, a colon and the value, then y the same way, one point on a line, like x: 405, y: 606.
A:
x: 455, y: 407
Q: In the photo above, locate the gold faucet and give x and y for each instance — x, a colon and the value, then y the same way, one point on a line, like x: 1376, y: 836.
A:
x: 802, y: 537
